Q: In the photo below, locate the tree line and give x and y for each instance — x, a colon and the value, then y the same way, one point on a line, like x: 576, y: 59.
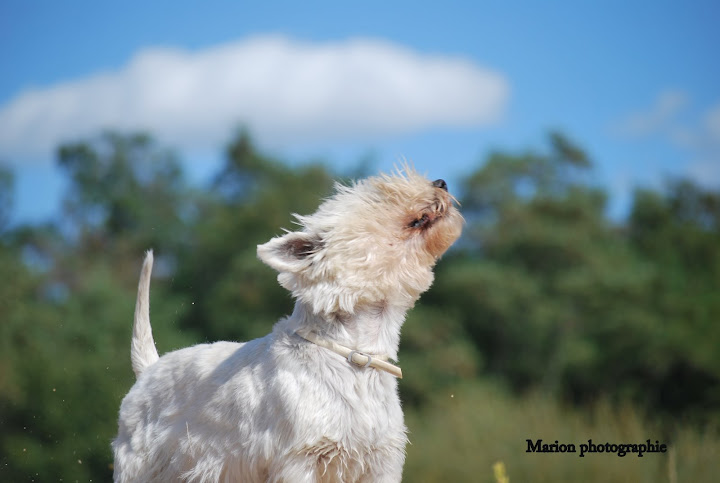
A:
x: 542, y: 293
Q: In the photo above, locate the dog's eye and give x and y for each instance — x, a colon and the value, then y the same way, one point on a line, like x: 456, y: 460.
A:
x: 420, y: 222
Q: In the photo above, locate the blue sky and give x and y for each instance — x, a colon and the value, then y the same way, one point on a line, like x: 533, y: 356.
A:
x: 637, y: 84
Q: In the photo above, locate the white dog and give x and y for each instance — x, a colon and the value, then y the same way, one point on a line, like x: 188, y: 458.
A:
x: 316, y: 399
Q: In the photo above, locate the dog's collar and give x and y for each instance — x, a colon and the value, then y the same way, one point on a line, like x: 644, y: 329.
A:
x: 358, y: 358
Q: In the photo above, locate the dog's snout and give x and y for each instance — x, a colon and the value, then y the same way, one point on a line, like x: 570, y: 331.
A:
x: 440, y: 183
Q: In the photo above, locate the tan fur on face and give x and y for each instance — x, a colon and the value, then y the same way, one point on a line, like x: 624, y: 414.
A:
x: 375, y: 241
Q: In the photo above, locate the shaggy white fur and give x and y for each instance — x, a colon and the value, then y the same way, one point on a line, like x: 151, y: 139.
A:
x: 282, y: 408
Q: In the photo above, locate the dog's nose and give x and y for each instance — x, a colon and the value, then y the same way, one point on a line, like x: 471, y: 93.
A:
x: 440, y: 183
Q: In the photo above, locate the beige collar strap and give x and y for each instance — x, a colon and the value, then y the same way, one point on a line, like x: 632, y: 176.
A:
x: 353, y: 356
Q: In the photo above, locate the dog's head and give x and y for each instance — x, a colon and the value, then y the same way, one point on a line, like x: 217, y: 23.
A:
x: 373, y: 242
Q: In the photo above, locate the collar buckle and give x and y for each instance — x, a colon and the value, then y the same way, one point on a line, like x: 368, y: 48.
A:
x: 352, y: 361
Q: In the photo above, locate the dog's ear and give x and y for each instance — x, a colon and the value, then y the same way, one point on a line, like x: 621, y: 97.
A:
x: 291, y: 252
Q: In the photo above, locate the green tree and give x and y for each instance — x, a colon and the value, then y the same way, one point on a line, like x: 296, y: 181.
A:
x: 678, y: 233
x: 550, y: 291
x: 6, y: 196
x: 234, y: 296
x: 124, y: 189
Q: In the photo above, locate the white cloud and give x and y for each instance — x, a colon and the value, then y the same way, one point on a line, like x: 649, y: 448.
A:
x: 703, y: 134
x: 695, y: 132
x: 665, y: 117
x: 707, y: 147
x: 705, y: 171
x: 712, y: 123
x: 666, y: 106
x: 285, y: 91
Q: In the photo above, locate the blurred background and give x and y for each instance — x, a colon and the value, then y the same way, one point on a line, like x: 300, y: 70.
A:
x: 582, y: 140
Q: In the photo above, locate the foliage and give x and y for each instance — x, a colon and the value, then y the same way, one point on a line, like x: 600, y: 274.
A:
x: 464, y: 430
x: 542, y: 292
x: 556, y: 296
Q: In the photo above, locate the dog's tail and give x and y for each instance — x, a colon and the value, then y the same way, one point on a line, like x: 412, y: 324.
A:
x: 142, y: 348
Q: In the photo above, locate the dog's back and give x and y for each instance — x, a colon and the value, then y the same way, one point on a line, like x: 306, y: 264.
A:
x: 273, y: 409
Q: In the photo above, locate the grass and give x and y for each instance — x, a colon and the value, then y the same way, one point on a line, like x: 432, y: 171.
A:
x: 464, y: 433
